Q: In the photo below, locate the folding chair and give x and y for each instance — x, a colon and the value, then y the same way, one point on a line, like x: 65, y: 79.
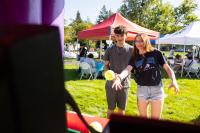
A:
x: 186, y: 66
x: 171, y: 62
x: 85, y: 70
x: 194, y: 68
x: 99, y: 68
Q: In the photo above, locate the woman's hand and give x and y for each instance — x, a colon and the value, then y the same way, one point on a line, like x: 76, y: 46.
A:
x: 117, y: 83
x: 171, y: 74
x: 175, y: 86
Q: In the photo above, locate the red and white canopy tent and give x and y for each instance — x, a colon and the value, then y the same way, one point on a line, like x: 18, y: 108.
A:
x: 104, y: 30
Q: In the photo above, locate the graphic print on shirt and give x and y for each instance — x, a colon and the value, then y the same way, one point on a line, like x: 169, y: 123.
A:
x: 150, y: 64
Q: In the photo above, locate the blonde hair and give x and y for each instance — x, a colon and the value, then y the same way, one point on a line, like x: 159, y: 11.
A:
x: 147, y: 45
x: 145, y: 38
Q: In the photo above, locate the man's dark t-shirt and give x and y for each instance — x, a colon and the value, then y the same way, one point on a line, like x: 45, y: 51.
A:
x: 119, y: 58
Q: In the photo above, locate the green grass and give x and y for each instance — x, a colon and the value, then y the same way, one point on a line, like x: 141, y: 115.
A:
x: 175, y: 53
x: 91, y: 99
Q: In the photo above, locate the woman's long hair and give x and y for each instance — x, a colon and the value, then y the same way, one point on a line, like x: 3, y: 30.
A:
x: 147, y: 45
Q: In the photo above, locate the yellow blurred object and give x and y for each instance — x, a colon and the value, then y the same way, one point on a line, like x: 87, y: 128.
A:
x: 171, y: 90
x: 97, y: 126
x: 109, y: 75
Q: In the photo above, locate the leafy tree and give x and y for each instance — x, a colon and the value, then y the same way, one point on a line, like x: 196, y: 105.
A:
x: 69, y: 34
x: 124, y: 10
x: 74, y: 27
x: 184, y: 13
x: 161, y: 18
x: 104, y: 14
x: 157, y: 16
x: 79, y: 27
x: 137, y: 10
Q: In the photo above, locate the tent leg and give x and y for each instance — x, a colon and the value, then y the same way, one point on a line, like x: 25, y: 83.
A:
x: 100, y: 49
x: 184, y: 48
x: 109, y: 40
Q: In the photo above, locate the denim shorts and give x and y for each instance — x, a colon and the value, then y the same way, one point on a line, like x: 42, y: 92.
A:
x: 151, y: 92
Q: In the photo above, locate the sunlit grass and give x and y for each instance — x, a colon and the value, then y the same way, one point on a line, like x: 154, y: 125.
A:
x: 91, y: 99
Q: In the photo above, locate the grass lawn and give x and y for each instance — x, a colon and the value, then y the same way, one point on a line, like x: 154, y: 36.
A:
x: 91, y: 99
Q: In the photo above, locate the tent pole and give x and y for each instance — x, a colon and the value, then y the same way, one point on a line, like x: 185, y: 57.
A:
x: 193, y: 52
x: 109, y: 40
x: 159, y: 41
x: 100, y: 49
x: 77, y: 44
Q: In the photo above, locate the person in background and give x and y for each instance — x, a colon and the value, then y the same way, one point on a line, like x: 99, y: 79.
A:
x: 90, y: 60
x: 146, y: 61
x: 189, y: 60
x: 116, y: 58
x: 171, y: 53
x: 189, y: 55
x: 82, y: 54
x: 178, y: 63
x: 82, y: 51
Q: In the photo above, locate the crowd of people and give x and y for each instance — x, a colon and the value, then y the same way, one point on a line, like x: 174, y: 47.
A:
x: 181, y: 64
x: 95, y: 66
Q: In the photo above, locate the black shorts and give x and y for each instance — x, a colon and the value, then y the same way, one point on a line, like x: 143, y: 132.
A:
x: 116, y: 98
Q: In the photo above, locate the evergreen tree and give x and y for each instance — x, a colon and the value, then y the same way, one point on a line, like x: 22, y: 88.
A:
x: 104, y: 14
x: 184, y: 13
x: 78, y: 17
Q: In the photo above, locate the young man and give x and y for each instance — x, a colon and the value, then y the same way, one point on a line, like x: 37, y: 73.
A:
x: 116, y: 59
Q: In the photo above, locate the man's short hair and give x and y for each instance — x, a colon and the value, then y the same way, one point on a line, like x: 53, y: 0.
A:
x: 90, y: 55
x: 120, y: 30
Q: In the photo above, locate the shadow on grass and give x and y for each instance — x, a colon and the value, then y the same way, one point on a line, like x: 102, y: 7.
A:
x: 71, y: 74
x: 196, y: 121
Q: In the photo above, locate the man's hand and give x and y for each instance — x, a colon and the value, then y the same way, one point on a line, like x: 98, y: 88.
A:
x: 117, y: 83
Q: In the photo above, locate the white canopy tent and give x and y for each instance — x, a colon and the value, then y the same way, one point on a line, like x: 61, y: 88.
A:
x: 189, y: 35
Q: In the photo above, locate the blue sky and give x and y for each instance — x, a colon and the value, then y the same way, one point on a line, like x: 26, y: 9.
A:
x: 91, y: 8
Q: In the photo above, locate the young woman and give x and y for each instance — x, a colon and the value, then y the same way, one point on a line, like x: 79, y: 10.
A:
x: 146, y: 62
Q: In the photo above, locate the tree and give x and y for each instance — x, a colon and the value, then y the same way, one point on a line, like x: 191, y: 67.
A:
x: 184, y: 13
x: 104, y: 14
x: 138, y: 10
x: 155, y: 15
x: 74, y: 27
x: 78, y: 17
x: 161, y: 18
x: 79, y: 27
x: 69, y: 34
